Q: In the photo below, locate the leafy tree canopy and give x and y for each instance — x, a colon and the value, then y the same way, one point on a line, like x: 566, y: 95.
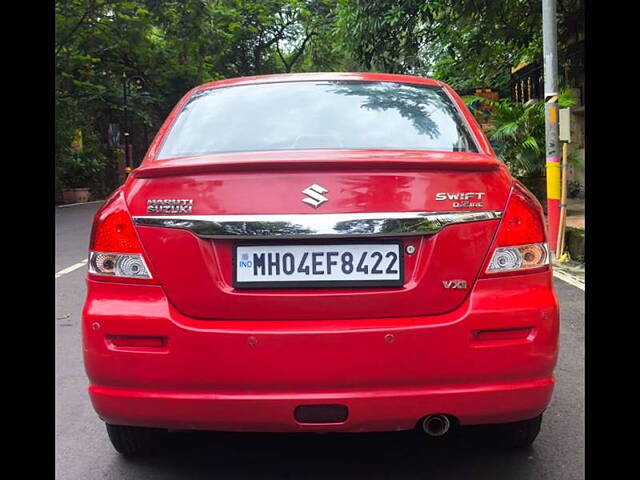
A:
x: 466, y: 43
x: 174, y: 45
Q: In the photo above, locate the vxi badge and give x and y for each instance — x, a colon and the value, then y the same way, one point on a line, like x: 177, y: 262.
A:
x: 462, y: 199
x: 461, y: 284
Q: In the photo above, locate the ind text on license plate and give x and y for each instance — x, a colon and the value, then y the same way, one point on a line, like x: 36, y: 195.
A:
x: 294, y: 266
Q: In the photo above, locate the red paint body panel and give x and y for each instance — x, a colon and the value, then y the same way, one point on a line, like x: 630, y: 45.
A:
x: 193, y: 352
x: 258, y: 190
x: 196, y: 273
x: 319, y: 160
x: 212, y: 377
x: 197, y: 276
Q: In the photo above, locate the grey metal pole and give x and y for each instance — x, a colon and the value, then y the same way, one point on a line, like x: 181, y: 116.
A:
x: 127, y: 157
x: 550, y: 50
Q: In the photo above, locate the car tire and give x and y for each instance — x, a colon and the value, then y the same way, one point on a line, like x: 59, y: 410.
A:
x: 517, y: 434
x: 134, y: 441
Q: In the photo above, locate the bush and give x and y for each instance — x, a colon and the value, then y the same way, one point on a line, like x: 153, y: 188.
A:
x: 81, y: 169
x: 575, y: 190
x: 517, y: 131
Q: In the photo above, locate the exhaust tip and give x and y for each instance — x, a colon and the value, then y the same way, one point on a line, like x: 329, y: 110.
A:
x: 436, y: 425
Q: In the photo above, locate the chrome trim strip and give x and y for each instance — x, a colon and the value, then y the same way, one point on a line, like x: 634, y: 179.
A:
x: 384, y: 224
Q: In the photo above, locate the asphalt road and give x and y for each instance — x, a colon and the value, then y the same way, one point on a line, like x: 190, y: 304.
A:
x: 83, y: 450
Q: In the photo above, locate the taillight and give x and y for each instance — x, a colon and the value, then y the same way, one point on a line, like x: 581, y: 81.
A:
x: 508, y: 259
x: 116, y: 233
x: 521, y: 240
x: 118, y: 265
x: 115, y: 250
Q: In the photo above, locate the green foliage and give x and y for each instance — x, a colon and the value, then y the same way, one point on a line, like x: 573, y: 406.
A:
x: 173, y: 45
x: 466, y: 43
x: 517, y: 131
x: 382, y: 35
x: 80, y: 169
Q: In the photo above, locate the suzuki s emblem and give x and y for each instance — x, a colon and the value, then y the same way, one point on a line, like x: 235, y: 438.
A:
x: 314, y: 193
x: 461, y: 284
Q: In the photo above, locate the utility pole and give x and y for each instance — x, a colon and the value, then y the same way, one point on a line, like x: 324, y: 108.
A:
x: 553, y: 165
x: 127, y: 151
x: 139, y: 84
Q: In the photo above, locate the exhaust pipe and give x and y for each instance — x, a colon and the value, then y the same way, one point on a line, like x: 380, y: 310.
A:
x: 436, y: 425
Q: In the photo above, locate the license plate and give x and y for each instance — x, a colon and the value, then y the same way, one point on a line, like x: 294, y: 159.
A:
x: 299, y: 266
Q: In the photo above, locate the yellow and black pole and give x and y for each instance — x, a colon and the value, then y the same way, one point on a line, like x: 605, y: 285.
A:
x: 554, y: 170
x: 553, y: 166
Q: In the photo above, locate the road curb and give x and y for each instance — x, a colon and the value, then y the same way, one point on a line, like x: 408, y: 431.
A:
x: 81, y: 203
x: 575, y: 278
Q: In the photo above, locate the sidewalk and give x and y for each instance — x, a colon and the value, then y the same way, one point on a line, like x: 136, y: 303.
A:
x: 573, y: 271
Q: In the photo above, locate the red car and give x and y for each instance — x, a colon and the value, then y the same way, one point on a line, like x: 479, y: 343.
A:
x: 320, y: 253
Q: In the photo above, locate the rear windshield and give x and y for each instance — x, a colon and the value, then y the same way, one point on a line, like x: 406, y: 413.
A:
x: 317, y: 115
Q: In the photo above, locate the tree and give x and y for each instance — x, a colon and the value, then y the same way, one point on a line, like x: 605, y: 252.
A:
x: 517, y: 131
x: 173, y: 45
x: 466, y: 43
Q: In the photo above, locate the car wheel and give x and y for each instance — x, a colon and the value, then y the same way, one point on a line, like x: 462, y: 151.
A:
x: 134, y: 441
x: 517, y: 434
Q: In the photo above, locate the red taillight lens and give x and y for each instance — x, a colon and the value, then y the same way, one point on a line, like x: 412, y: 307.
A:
x: 115, y: 249
x: 115, y: 233
x: 522, y: 223
x: 520, y: 243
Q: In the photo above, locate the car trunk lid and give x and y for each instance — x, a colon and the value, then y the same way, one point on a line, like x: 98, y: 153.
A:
x: 196, y: 269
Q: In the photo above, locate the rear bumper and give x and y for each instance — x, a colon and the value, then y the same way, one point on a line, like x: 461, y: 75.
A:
x: 373, y: 410
x: 250, y: 376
